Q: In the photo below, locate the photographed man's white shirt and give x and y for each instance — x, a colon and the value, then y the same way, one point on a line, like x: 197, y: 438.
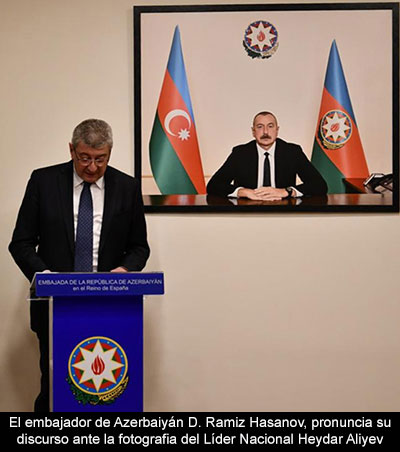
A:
x: 261, y: 160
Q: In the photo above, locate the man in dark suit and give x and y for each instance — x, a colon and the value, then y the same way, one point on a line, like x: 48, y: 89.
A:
x: 52, y: 232
x: 266, y: 168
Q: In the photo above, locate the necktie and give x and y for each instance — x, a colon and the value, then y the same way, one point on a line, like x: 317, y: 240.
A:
x: 84, y: 232
x: 267, y: 171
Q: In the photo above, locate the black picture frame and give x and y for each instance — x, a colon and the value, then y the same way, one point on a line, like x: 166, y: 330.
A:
x: 205, y: 204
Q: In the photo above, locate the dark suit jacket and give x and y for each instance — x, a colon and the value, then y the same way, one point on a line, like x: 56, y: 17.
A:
x: 43, y: 237
x: 241, y: 170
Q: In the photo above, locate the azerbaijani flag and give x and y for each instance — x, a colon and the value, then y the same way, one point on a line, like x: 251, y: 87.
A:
x: 174, y: 149
x: 337, y: 153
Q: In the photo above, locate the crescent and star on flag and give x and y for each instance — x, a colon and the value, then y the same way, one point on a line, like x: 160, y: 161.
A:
x: 184, y: 133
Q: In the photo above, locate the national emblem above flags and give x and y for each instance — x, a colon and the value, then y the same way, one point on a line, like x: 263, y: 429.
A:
x: 174, y: 150
x: 337, y: 153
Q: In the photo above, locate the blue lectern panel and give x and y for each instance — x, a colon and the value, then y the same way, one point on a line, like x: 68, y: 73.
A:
x: 98, y: 353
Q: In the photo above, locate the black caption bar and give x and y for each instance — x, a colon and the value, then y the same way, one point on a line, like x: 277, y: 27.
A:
x: 150, y: 430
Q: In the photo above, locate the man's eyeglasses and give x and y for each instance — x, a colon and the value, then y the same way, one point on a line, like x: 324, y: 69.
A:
x: 86, y: 161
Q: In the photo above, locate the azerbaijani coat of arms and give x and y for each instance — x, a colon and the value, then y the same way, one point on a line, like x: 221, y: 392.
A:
x: 260, y: 39
x: 335, y: 129
x: 98, y: 371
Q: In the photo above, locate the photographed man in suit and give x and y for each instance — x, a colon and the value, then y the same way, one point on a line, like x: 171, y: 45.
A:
x: 82, y: 216
x: 266, y: 168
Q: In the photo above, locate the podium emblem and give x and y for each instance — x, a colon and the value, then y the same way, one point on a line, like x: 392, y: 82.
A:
x: 98, y: 371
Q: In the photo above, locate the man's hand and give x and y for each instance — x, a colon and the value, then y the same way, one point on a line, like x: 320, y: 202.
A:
x: 248, y: 193
x: 270, y: 193
x: 119, y: 270
x: 263, y: 193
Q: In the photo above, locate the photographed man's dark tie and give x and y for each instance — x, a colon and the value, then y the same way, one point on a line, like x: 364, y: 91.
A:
x: 267, y: 171
x: 84, y: 232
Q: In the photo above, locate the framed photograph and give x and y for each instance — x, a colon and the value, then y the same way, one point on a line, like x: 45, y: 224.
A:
x: 267, y: 108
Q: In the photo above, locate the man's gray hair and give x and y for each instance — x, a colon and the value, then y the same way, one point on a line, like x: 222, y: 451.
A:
x: 265, y: 113
x: 95, y: 133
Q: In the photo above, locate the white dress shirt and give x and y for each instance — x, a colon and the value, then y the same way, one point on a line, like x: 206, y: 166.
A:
x: 261, y: 159
x: 97, y: 191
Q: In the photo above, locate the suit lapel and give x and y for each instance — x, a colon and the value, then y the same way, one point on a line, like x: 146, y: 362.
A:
x: 65, y: 191
x: 280, y: 163
x: 252, y: 165
x: 110, y: 188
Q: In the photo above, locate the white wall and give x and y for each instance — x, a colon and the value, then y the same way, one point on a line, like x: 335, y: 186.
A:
x: 261, y: 312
